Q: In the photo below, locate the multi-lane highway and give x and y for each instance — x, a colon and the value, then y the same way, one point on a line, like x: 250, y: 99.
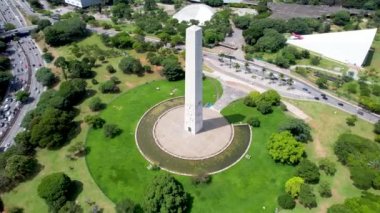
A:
x: 25, y: 59
x: 315, y: 94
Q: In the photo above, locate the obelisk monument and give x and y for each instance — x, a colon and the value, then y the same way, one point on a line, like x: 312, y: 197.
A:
x: 193, y: 80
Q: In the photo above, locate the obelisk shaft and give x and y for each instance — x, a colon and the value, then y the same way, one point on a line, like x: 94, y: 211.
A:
x: 193, y: 81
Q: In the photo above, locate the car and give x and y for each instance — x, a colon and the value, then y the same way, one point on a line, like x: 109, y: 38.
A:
x: 6, y: 107
x: 360, y: 113
x: 340, y: 104
x: 33, y: 65
x: 325, y: 98
x: 2, y: 149
x: 304, y: 89
x: 316, y: 98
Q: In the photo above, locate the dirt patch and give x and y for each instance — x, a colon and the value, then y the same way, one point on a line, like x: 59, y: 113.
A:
x: 319, y: 149
x: 129, y: 84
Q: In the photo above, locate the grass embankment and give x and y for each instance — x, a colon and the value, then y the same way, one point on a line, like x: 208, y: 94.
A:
x: 120, y: 170
x: 327, y: 125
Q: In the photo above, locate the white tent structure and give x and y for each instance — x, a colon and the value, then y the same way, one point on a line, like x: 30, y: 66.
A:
x: 200, y: 12
x: 350, y: 47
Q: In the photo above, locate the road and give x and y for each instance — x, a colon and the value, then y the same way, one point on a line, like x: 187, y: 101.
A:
x: 315, y: 94
x: 26, y: 59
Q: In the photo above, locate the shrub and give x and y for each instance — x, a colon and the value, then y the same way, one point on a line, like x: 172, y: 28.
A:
x: 252, y: 98
x: 111, y: 130
x: 272, y: 97
x: 376, y: 182
x: 94, y: 81
x: 286, y: 201
x: 298, y: 128
x: 362, y: 177
x: 254, y: 122
x: 327, y: 166
x: 48, y: 57
x: 350, y: 121
x: 201, y: 179
x: 265, y: 107
x: 95, y: 104
x: 307, y: 198
x: 109, y: 87
x: 110, y: 69
x: 130, y: 65
x: 325, y: 189
x: 284, y: 148
x: 293, y: 186
x: 376, y: 128
x: 308, y: 171
x: 94, y: 121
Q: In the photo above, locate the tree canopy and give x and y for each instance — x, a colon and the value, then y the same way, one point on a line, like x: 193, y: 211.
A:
x: 65, y: 31
x: 165, y: 194
x: 284, y: 148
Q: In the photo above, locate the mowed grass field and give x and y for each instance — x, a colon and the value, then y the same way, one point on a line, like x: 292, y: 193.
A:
x: 328, y: 124
x: 120, y: 170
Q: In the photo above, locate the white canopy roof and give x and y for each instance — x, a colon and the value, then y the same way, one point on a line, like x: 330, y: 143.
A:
x: 199, y: 12
x: 350, y: 47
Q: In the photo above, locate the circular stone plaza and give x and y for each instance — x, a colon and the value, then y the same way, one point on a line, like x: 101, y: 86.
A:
x: 181, y: 136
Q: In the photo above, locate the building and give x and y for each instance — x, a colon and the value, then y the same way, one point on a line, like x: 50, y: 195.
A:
x: 83, y: 3
x: 199, y: 12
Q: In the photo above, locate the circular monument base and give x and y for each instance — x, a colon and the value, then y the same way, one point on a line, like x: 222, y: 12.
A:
x: 214, y: 137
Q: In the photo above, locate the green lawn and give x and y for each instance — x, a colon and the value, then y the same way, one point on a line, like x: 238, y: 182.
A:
x: 120, y: 170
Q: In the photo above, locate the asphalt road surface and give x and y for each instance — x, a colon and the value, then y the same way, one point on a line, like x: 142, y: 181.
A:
x: 26, y: 59
x: 315, y: 93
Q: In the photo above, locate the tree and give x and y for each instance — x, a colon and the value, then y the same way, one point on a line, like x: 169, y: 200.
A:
x: 173, y: 70
x: 73, y: 91
x: 265, y: 107
x: 341, y: 18
x: 5, y: 63
x: 376, y: 128
x: 284, y: 148
x: 308, y: 171
x: 109, y: 87
x: 298, y: 128
x: 22, y: 96
x: 3, y: 46
x: 315, y: 60
x: 95, y: 104
x: 126, y: 206
x: 270, y: 42
x: 272, y: 97
x: 20, y: 167
x: 322, y: 83
x: 94, y: 121
x: 165, y: 194
x: 130, y: 65
x: 45, y: 76
x: 367, y: 202
x: 254, y: 122
x: 65, y: 31
x: 213, y: 3
x: 48, y: 57
x: 43, y: 23
x: 307, y: 197
x: 111, y: 130
x: 81, y: 69
x: 121, y: 10
x: 150, y: 5
x: 325, y: 189
x: 54, y: 189
x: 327, y: 166
x: 286, y: 201
x: 252, y: 98
x: 110, y: 69
x: 293, y: 186
x: 9, y: 26
x: 1, y: 205
x: 71, y: 207
x: 350, y: 121
x: 52, y: 128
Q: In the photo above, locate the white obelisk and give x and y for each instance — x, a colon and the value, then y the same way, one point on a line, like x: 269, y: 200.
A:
x: 193, y: 81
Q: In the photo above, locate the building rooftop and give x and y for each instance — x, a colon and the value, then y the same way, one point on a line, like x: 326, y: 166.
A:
x: 199, y: 12
x: 349, y: 47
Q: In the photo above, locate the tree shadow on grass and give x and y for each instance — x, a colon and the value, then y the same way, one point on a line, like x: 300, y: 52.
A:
x: 75, y: 189
x: 234, y: 118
